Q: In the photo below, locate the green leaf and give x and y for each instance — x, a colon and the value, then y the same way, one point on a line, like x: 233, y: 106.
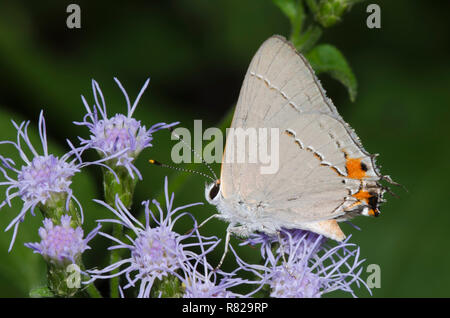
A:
x: 326, y: 58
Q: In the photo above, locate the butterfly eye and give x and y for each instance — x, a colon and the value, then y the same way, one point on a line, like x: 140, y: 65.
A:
x: 214, y: 190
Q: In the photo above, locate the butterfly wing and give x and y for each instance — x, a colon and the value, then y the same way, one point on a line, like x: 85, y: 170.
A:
x: 322, y: 164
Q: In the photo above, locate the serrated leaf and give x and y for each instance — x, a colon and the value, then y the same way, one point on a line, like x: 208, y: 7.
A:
x: 326, y: 58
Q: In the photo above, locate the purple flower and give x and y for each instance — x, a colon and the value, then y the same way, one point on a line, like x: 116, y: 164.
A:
x: 119, y: 133
x: 155, y: 252
x: 62, y: 243
x: 303, y: 266
x: 208, y: 286
x: 201, y: 281
x: 43, y: 179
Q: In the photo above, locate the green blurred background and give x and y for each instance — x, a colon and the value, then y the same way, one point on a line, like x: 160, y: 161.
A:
x: 197, y: 52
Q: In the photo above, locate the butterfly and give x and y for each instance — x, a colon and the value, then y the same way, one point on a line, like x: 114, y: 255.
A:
x: 325, y: 176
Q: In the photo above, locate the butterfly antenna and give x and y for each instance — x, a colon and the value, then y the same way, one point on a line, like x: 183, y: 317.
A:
x: 194, y: 152
x: 157, y: 163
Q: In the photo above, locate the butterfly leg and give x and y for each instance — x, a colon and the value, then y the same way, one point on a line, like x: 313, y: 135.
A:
x: 237, y: 230
x: 281, y: 248
x: 282, y: 251
x: 204, y: 222
x: 227, y: 241
x: 208, y: 219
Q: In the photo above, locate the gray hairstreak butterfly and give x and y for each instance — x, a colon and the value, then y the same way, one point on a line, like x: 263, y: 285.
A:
x: 325, y: 176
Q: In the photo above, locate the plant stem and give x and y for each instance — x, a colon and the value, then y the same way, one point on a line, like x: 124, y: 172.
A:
x: 297, y: 22
x: 115, y: 257
x: 124, y: 191
x: 93, y: 292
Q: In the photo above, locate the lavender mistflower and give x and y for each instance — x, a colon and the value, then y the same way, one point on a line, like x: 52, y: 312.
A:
x: 202, y: 281
x: 119, y: 133
x: 43, y: 179
x: 62, y: 243
x: 209, y: 286
x: 309, y: 267
x: 155, y: 252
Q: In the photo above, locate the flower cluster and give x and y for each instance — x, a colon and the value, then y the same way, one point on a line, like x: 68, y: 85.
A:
x: 62, y: 243
x: 120, y: 134
x: 149, y: 258
x: 299, y: 264
x: 155, y: 252
x: 44, y: 179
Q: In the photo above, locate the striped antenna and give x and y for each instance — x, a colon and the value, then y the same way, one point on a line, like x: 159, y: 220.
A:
x: 194, y: 152
x: 157, y: 163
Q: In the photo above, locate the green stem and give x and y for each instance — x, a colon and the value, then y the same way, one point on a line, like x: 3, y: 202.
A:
x: 124, y: 190
x: 93, y: 292
x: 306, y: 41
x: 115, y: 257
x: 298, y: 21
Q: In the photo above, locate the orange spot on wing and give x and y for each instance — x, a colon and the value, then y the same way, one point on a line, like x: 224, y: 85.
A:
x: 362, y: 196
x: 354, y: 168
x: 365, y: 196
